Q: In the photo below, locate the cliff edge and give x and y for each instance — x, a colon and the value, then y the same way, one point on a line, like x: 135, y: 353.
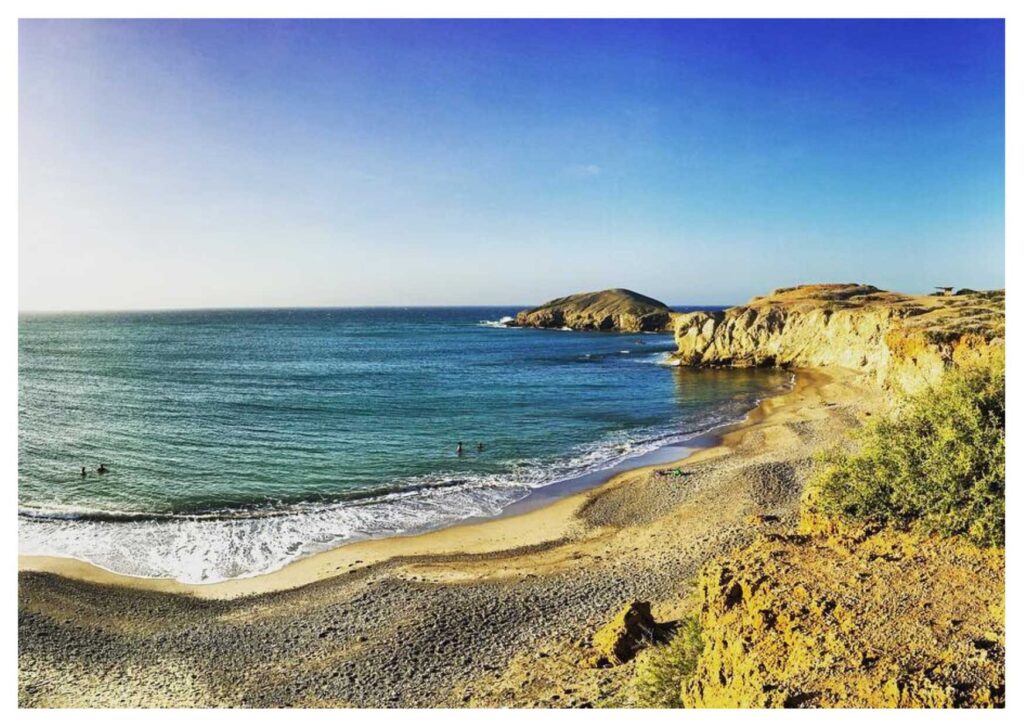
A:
x: 901, y: 340
x: 606, y: 310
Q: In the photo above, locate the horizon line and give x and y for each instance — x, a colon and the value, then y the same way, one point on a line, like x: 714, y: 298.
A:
x: 36, y: 311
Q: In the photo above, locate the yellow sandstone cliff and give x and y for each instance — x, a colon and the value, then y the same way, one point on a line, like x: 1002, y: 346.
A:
x: 900, y: 340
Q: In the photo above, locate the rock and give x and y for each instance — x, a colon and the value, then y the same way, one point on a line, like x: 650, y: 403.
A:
x: 606, y: 310
x: 902, y: 341
x: 632, y: 627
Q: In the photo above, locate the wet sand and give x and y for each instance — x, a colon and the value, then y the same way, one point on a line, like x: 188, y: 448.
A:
x: 489, y: 613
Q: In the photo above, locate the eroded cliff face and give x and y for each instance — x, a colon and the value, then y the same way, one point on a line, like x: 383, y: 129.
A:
x: 606, y: 310
x: 900, y: 340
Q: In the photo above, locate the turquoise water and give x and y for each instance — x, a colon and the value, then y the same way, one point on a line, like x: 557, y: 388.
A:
x: 237, y: 441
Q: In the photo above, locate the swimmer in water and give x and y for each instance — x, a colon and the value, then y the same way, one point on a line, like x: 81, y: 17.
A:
x: 458, y: 450
x: 102, y: 469
x: 83, y: 472
x: 479, y: 446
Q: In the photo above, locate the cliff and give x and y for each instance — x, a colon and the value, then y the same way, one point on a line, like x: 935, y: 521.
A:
x: 898, y: 339
x: 871, y: 611
x: 606, y: 310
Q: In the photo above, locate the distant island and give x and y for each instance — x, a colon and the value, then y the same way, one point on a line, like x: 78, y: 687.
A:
x: 616, y: 309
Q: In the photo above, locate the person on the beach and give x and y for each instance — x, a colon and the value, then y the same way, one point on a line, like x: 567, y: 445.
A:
x: 458, y: 450
x: 102, y: 469
x: 83, y: 472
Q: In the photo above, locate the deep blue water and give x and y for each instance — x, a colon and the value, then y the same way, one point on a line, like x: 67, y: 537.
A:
x: 239, y: 440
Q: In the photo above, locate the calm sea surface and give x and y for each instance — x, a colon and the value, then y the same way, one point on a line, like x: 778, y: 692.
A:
x: 237, y: 441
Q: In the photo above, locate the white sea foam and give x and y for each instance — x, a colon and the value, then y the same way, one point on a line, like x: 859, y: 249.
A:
x: 195, y: 550
x: 500, y: 323
x: 661, y: 358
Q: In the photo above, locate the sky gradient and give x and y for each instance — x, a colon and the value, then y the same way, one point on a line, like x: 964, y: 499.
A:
x: 172, y: 164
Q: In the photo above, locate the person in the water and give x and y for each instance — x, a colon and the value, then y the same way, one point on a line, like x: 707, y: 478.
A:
x: 479, y: 446
x: 458, y: 450
x: 83, y: 472
x: 102, y: 469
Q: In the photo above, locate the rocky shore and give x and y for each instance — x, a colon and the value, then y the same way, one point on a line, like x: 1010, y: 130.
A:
x: 866, y: 617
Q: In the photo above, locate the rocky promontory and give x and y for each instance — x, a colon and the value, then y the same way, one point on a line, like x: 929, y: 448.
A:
x: 606, y: 310
x: 899, y: 339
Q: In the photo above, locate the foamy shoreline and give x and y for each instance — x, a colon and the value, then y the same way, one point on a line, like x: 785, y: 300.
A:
x: 209, y: 548
x: 542, y: 515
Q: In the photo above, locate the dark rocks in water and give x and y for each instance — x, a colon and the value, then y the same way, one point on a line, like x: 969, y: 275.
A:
x: 607, y: 310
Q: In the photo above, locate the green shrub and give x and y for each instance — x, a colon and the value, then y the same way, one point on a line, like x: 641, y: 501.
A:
x: 939, y: 464
x: 661, y: 670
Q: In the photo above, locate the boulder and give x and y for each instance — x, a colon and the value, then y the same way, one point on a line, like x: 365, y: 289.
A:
x: 631, y: 629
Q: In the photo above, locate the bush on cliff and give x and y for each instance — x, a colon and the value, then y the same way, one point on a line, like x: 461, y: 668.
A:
x: 939, y: 464
x: 661, y: 670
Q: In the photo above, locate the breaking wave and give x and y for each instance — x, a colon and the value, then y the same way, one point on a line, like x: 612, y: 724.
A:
x: 224, y: 543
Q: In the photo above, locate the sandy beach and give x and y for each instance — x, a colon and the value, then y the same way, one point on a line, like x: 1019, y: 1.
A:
x: 493, y: 613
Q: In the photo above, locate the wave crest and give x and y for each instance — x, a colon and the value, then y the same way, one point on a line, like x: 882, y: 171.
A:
x: 500, y: 323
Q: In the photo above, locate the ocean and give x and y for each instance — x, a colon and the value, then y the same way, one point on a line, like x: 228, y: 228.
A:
x: 237, y: 441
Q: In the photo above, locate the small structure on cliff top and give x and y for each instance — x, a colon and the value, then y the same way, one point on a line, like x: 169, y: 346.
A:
x: 945, y: 289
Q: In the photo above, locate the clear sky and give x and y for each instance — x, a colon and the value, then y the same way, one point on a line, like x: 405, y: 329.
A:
x: 270, y: 163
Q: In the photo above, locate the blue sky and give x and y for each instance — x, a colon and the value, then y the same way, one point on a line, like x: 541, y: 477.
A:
x: 276, y: 163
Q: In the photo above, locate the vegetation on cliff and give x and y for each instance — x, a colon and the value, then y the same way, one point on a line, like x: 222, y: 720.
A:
x: 938, y: 464
x: 891, y: 591
x: 607, y: 310
x: 662, y: 669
